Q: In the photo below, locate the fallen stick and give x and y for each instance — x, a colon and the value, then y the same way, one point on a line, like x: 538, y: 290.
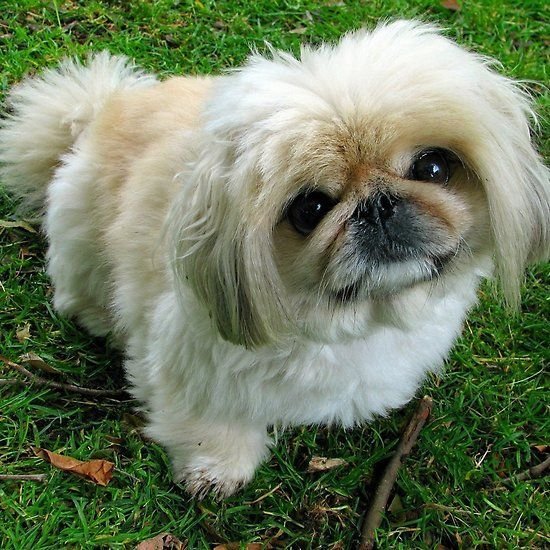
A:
x: 39, y: 381
x: 23, y: 477
x: 531, y: 473
x: 374, y: 516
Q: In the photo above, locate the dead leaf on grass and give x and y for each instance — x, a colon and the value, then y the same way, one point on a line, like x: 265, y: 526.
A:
x: 322, y: 464
x: 33, y: 360
x: 23, y: 333
x: 542, y: 448
x: 99, y: 471
x: 452, y: 5
x: 164, y: 541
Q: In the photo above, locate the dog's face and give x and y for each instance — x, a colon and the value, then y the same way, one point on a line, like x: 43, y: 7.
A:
x: 367, y: 222
x: 330, y: 185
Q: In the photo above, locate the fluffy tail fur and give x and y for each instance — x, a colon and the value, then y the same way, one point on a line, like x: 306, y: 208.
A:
x: 46, y: 114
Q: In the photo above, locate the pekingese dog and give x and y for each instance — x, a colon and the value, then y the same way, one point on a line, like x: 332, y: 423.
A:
x: 295, y: 242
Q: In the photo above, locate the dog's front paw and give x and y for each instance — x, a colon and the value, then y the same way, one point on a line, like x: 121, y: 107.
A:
x: 221, y: 480
x: 219, y: 465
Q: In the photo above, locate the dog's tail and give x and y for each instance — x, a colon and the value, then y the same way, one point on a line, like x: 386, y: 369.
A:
x: 46, y: 115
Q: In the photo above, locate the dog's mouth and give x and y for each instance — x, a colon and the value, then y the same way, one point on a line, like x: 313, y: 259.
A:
x: 390, y: 278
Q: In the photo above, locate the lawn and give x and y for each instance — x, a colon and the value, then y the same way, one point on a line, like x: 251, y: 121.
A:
x: 490, y: 418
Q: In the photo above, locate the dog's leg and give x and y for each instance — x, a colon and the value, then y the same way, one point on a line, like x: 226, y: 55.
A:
x: 194, y: 398
x: 218, y: 456
x: 77, y: 270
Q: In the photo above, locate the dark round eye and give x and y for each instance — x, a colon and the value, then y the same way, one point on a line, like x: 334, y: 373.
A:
x: 431, y: 165
x: 307, y: 210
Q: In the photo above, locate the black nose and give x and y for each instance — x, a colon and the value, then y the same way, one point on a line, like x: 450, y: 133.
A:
x: 377, y: 209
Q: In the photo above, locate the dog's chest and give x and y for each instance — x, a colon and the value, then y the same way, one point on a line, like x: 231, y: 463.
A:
x: 344, y: 383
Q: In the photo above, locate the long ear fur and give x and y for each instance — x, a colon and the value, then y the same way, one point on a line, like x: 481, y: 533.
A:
x: 227, y: 263
x: 515, y: 179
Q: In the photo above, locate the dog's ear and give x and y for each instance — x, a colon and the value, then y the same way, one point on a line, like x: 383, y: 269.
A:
x: 227, y: 263
x: 515, y: 179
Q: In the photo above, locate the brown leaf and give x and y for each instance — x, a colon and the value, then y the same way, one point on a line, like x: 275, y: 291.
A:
x: 33, y: 360
x: 322, y: 464
x: 24, y: 333
x: 452, y: 5
x: 542, y: 448
x: 99, y: 471
x: 164, y: 541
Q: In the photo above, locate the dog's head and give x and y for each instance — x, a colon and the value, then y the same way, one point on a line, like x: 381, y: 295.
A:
x: 392, y: 160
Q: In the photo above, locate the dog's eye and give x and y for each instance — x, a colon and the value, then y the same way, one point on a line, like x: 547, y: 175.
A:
x: 431, y: 165
x: 307, y: 210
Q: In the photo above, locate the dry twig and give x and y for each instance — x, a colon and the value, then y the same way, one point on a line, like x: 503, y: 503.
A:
x: 23, y: 477
x: 374, y: 516
x: 531, y: 473
x: 39, y: 381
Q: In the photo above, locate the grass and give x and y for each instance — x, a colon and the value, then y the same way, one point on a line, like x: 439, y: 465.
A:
x: 490, y: 406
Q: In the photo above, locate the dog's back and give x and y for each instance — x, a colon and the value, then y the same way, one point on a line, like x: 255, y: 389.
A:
x: 48, y: 113
x: 77, y: 141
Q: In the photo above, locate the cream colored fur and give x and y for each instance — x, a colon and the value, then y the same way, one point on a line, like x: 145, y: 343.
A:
x: 165, y: 214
